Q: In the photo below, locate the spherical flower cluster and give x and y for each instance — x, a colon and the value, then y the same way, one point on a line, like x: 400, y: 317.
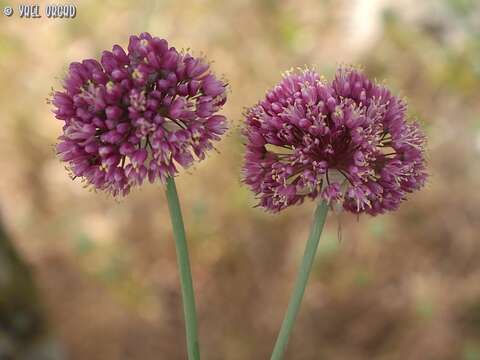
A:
x: 137, y: 114
x: 346, y: 141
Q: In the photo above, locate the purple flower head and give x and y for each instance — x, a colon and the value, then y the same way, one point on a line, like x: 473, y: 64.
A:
x: 347, y: 141
x: 137, y: 114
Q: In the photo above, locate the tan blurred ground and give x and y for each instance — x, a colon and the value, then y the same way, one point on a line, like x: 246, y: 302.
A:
x: 400, y: 286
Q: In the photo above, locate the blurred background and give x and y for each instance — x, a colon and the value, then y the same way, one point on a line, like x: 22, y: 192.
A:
x: 83, y: 276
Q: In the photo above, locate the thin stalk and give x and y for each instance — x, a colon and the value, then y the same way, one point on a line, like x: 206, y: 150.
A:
x: 301, y: 282
x: 184, y: 269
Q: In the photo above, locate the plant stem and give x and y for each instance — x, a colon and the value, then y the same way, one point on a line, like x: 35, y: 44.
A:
x: 301, y: 282
x: 185, y: 272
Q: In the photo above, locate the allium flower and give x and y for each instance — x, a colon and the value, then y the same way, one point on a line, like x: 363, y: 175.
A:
x: 347, y: 141
x: 137, y: 114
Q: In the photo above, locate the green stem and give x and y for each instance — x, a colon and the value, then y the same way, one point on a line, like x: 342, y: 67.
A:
x: 301, y: 282
x: 184, y: 268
